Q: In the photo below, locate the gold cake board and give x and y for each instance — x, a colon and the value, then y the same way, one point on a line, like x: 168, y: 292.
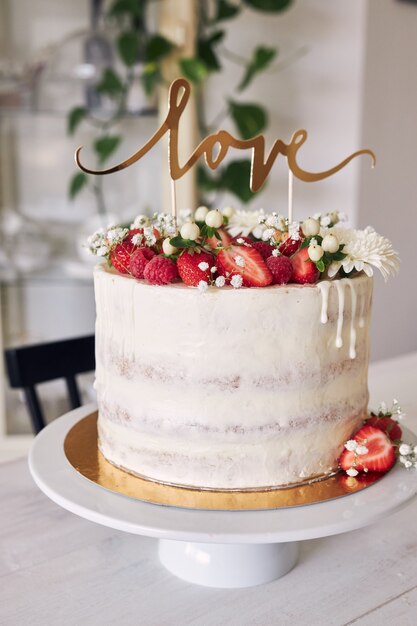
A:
x: 82, y: 452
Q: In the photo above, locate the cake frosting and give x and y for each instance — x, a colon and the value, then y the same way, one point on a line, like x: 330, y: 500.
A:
x: 230, y: 388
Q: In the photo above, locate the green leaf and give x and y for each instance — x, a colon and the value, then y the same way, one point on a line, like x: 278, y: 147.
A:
x: 128, y: 46
x: 77, y: 182
x: 235, y: 178
x: 205, y: 182
x: 150, y: 78
x: 179, y: 242
x: 206, y: 52
x: 226, y: 10
x: 110, y: 83
x: 250, y: 119
x: 105, y: 146
x: 270, y: 6
x: 194, y: 69
x: 75, y: 116
x: 157, y: 48
x: 261, y: 58
x: 320, y: 265
x: 123, y: 7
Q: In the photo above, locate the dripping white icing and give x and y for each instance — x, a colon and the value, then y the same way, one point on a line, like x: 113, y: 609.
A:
x: 352, y: 341
x: 324, y: 288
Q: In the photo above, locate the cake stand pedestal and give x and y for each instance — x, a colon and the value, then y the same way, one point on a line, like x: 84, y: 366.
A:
x: 228, y: 549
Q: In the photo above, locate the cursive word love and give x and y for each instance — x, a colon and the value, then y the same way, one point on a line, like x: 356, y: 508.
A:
x: 215, y: 147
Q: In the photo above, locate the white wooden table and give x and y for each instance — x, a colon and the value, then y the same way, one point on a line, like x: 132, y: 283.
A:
x: 58, y: 569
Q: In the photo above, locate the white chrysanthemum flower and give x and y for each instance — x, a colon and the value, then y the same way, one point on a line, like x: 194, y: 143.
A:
x: 239, y: 260
x: 352, y: 472
x: 236, y: 281
x: 351, y: 445
x: 202, y: 286
x: 405, y: 449
x: 246, y: 222
x: 364, y: 249
x: 203, y: 266
x: 220, y: 281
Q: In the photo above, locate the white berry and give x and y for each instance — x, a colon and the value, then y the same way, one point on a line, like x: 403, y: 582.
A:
x: 330, y: 243
x: 200, y: 214
x: 315, y: 253
x: 190, y: 231
x: 168, y: 248
x: 310, y: 227
x: 214, y: 219
x: 228, y: 211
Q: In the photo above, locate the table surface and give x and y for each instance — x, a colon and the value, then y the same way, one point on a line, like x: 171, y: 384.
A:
x: 56, y: 568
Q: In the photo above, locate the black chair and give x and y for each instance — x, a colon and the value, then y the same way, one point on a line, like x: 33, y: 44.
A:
x: 28, y: 366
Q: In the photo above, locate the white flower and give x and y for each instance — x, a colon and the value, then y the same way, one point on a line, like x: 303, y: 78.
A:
x: 116, y: 235
x: 294, y: 231
x: 364, y: 249
x: 140, y: 221
x: 246, y: 222
x: 351, y: 445
x: 383, y: 408
x: 102, y: 251
x: 405, y: 449
x: 352, y: 472
x: 268, y: 234
x: 276, y: 221
x: 149, y: 236
x: 203, y: 266
x: 185, y: 215
x: 137, y: 239
x: 165, y: 224
x: 213, y: 269
x: 220, y: 281
x: 240, y: 261
x: 240, y: 240
x: 408, y: 464
x: 361, y: 450
x: 202, y: 286
x: 276, y: 252
x: 236, y: 281
x: 415, y: 450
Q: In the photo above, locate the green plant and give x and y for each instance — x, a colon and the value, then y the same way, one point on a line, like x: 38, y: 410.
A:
x: 134, y: 42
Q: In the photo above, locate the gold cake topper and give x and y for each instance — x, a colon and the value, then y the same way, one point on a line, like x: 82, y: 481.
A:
x: 215, y: 147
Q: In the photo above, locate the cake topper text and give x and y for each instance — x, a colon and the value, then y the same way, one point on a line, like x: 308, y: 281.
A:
x: 215, y: 147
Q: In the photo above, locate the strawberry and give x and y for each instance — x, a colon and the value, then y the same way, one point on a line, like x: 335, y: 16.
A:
x: 160, y: 271
x: 188, y: 268
x: 290, y: 246
x: 263, y: 247
x: 120, y: 256
x: 280, y: 268
x: 254, y: 272
x: 225, y: 239
x: 304, y: 270
x: 388, y: 425
x: 139, y: 260
x: 380, y: 456
x: 354, y: 483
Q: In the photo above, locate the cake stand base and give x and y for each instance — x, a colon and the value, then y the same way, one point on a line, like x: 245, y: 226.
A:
x: 215, y: 548
x: 229, y: 566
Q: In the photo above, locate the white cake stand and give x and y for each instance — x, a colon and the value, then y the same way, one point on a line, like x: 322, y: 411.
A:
x: 226, y: 549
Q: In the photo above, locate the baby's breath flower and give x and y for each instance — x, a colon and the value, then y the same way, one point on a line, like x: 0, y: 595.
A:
x: 351, y: 445
x: 352, y: 472
x: 361, y: 450
x: 240, y: 261
x: 220, y: 281
x: 203, y: 266
x: 137, y: 239
x: 202, y: 286
x: 405, y: 449
x: 140, y: 221
x: 236, y: 281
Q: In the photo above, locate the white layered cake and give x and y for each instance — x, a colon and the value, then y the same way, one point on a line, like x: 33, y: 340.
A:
x: 230, y: 388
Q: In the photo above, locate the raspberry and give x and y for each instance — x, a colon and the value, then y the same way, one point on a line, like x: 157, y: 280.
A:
x: 160, y: 271
x: 139, y: 260
x: 264, y: 248
x: 280, y: 268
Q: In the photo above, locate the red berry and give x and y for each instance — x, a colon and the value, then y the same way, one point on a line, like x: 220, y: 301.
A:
x: 304, y: 270
x: 132, y: 233
x: 188, y: 268
x: 263, y: 247
x: 139, y: 260
x: 380, y: 456
x: 120, y: 256
x: 290, y: 245
x: 280, y: 268
x: 254, y: 272
x: 160, y: 271
x: 388, y: 425
x: 225, y: 239
x: 354, y: 483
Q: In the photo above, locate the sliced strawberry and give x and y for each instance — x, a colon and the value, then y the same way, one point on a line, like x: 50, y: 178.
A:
x: 388, y: 425
x: 354, y: 483
x: 254, y: 270
x: 244, y: 238
x: 120, y: 256
x: 225, y: 239
x: 188, y: 267
x: 290, y: 246
x: 380, y: 456
x: 304, y: 270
